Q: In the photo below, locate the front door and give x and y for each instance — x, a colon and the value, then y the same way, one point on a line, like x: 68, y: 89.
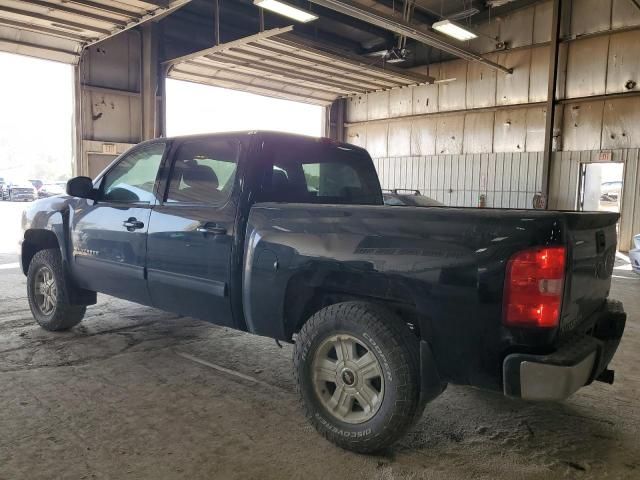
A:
x: 109, y: 234
x: 191, y: 231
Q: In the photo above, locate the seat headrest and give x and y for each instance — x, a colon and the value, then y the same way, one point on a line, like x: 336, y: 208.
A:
x: 200, y: 174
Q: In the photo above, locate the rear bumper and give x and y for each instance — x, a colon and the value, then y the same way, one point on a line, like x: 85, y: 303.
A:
x: 24, y: 196
x: 574, y: 364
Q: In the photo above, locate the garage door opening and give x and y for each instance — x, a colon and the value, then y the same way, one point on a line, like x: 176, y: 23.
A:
x: 194, y: 108
x: 36, y: 118
x: 36, y: 142
x: 601, y: 187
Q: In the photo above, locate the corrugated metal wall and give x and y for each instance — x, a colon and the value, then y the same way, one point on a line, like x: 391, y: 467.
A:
x: 565, y: 183
x: 506, y: 179
x: 510, y: 180
x: 482, y: 132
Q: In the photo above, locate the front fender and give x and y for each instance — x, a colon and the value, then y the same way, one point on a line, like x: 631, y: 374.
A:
x: 44, y: 225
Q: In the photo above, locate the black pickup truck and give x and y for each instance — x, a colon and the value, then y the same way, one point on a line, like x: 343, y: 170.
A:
x: 288, y: 237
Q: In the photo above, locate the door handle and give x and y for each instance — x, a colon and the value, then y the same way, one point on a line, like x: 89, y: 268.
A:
x: 211, y: 229
x: 132, y: 224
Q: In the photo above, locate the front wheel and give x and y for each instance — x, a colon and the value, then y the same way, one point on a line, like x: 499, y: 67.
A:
x: 357, y: 371
x: 48, y: 291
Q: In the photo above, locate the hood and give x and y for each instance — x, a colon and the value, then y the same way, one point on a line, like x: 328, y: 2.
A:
x: 22, y: 184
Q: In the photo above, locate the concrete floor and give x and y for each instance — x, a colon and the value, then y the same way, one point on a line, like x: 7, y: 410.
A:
x: 137, y: 393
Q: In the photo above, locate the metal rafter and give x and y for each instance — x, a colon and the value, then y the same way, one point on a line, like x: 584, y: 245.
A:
x: 407, y: 29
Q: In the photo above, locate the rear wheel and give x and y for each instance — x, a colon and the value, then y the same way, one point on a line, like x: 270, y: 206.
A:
x: 48, y: 292
x: 357, y: 371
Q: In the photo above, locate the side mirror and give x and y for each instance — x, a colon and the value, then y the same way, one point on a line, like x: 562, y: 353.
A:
x: 81, y: 187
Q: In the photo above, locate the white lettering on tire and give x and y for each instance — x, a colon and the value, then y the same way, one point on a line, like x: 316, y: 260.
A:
x: 381, y: 354
x: 344, y: 433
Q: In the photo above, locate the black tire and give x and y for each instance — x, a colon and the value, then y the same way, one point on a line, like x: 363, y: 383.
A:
x: 397, y: 350
x: 62, y: 315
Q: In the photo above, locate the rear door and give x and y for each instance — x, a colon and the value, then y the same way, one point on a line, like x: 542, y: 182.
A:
x: 191, y: 231
x: 109, y: 234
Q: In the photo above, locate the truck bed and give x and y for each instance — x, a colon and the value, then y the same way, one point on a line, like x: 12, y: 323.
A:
x: 444, y: 265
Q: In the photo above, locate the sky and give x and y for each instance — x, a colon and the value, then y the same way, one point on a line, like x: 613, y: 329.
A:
x: 36, y: 115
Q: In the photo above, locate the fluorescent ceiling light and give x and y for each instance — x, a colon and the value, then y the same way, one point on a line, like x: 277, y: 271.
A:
x: 453, y: 30
x: 285, y: 9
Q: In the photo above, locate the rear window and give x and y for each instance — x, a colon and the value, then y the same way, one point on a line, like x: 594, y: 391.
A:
x: 307, y: 172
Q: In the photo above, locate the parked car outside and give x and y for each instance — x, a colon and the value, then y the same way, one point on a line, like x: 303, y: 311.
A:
x: 409, y: 198
x: 51, y: 189
x: 21, y: 191
x: 36, y: 183
x: 3, y: 186
x: 634, y: 254
x: 611, y: 191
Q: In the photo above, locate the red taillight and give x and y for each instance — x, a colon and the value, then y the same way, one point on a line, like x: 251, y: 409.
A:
x: 533, y: 288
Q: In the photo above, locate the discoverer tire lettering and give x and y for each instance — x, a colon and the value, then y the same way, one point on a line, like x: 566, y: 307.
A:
x: 396, y: 349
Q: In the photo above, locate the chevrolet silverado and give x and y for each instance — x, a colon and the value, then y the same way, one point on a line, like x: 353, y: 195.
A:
x: 288, y: 237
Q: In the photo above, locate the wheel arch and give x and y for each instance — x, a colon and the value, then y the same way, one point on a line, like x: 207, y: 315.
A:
x: 35, y: 240
x: 307, y: 293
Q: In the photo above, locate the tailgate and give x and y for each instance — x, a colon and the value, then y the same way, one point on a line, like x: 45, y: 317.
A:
x: 591, y: 243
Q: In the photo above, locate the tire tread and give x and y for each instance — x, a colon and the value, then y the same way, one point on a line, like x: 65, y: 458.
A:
x: 404, y: 352
x: 65, y: 315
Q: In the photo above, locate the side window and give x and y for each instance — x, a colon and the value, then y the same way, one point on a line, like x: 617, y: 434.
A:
x: 133, y: 179
x: 204, y: 171
x: 320, y: 173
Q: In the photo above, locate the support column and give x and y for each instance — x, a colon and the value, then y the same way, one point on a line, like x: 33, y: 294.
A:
x: 335, y: 121
x: 77, y: 132
x: 150, y: 80
x: 551, y: 94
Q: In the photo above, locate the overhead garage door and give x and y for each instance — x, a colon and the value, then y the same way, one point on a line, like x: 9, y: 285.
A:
x: 59, y: 29
x: 276, y: 63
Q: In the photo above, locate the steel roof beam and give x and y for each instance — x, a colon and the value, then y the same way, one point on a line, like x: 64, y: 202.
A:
x: 408, y: 30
